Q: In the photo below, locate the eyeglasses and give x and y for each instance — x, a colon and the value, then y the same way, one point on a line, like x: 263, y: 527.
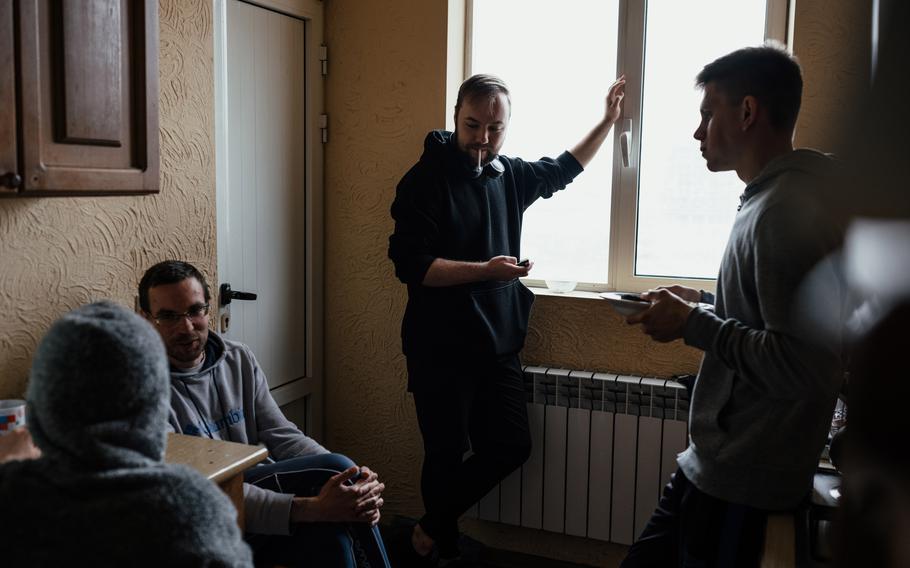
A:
x: 195, y: 314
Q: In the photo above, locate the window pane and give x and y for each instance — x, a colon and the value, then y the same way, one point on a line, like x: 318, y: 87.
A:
x: 558, y: 59
x: 684, y: 211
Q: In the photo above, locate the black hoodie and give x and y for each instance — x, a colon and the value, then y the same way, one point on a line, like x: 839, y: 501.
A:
x: 441, y: 211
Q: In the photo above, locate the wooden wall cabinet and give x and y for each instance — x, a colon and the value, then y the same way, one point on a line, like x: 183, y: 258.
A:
x: 78, y: 97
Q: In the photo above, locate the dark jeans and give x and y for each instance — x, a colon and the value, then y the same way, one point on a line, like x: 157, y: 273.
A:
x: 482, y: 402
x: 692, y: 529
x: 342, y: 545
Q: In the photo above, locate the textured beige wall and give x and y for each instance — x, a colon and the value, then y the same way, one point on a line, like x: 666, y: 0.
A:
x: 832, y: 40
x: 577, y: 333
x: 56, y: 254
x: 385, y: 91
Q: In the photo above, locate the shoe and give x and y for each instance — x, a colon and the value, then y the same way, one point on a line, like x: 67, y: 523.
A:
x: 470, y: 548
x: 397, y: 536
x: 468, y: 554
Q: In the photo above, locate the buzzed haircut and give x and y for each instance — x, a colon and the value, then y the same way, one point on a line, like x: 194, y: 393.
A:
x: 482, y: 86
x: 768, y: 73
x: 168, y: 272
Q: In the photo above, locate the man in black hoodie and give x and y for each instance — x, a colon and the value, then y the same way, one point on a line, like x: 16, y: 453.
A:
x: 458, y: 215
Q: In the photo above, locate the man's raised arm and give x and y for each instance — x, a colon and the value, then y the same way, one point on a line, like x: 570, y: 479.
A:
x: 585, y: 150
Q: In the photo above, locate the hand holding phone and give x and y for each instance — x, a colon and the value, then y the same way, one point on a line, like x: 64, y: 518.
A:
x: 633, y: 298
x: 524, y: 262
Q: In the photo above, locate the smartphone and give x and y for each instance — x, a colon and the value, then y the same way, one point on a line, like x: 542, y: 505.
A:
x: 524, y: 262
x: 633, y: 298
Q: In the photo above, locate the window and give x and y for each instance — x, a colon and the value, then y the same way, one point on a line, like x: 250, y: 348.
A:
x: 661, y: 217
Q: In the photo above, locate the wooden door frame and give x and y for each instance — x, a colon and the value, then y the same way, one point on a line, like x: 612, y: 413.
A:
x: 311, y: 12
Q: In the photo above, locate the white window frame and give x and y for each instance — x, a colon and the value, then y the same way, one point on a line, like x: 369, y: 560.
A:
x: 624, y: 207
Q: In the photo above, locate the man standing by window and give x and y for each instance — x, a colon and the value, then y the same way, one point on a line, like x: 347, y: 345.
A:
x: 458, y: 215
x: 765, y: 392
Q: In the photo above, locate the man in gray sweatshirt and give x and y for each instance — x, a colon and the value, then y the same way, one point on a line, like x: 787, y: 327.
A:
x: 764, y: 395
x: 307, y: 506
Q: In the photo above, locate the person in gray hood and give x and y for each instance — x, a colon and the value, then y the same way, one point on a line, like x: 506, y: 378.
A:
x: 100, y: 493
x: 764, y: 395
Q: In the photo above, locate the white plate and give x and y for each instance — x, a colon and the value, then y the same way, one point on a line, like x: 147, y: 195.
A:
x: 624, y: 307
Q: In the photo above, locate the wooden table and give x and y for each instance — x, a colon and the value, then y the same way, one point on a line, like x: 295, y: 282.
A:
x: 222, y: 462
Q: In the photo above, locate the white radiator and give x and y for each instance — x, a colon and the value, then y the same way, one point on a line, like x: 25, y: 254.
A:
x: 604, y: 446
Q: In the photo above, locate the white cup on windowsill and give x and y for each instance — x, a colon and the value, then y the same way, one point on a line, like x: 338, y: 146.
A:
x: 561, y: 286
x: 12, y: 415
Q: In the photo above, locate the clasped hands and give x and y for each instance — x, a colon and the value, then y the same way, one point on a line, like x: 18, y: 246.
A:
x: 339, y: 501
x: 670, y: 308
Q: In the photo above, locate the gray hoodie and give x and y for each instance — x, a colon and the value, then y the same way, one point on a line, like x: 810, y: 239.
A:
x: 100, y: 494
x: 229, y: 399
x: 766, y: 389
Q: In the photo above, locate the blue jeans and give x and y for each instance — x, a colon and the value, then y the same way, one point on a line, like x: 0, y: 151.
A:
x: 342, y: 545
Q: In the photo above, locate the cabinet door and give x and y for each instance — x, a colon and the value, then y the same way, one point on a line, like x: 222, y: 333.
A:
x: 89, y: 104
x: 9, y: 168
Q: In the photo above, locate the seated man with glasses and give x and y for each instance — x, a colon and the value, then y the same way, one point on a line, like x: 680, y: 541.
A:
x: 306, y: 505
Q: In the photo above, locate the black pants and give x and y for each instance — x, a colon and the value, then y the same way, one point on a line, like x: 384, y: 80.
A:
x: 692, y: 529
x: 483, y: 402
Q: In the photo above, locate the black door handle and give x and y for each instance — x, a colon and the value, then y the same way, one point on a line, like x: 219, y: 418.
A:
x: 11, y: 180
x: 226, y: 295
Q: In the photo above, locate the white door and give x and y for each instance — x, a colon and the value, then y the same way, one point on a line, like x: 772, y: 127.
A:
x: 267, y: 245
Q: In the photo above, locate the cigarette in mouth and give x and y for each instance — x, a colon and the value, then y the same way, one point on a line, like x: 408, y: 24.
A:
x: 479, y: 157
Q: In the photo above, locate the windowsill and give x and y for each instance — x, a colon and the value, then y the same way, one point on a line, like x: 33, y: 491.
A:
x: 585, y: 295
x: 576, y: 294
x: 540, y: 289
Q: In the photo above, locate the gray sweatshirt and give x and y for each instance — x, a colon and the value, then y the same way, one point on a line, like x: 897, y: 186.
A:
x: 229, y: 399
x: 766, y: 389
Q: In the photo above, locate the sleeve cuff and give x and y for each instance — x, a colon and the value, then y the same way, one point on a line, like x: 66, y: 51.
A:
x: 420, y: 267
x: 413, y: 269
x: 266, y: 512
x: 570, y: 164
x: 701, y: 329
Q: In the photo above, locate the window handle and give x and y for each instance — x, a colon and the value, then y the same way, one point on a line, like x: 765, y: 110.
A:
x: 625, y: 142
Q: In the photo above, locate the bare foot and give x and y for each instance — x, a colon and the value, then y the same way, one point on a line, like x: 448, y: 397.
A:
x: 421, y: 541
